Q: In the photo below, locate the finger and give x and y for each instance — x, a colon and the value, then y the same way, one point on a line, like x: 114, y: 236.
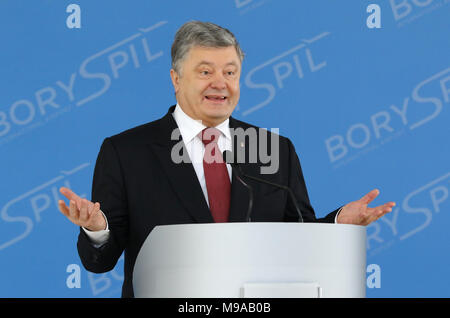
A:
x: 93, y: 213
x: 63, y: 208
x: 84, y: 211
x: 73, y: 210
x: 380, y: 213
x: 376, y: 213
x: 369, y: 197
x: 69, y: 194
x: 93, y: 210
x: 387, y: 207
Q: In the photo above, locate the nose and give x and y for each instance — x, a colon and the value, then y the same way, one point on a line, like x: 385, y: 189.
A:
x: 218, y: 82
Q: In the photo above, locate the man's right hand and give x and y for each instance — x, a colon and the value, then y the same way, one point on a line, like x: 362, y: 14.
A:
x: 82, y: 212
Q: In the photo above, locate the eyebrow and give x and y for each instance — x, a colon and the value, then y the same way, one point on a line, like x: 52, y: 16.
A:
x: 210, y: 63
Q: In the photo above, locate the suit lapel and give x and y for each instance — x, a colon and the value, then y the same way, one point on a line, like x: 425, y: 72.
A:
x: 182, y: 175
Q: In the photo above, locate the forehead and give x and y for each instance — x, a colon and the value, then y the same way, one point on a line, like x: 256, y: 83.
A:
x: 198, y: 55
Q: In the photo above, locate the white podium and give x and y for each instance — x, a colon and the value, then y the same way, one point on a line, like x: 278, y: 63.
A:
x: 257, y: 260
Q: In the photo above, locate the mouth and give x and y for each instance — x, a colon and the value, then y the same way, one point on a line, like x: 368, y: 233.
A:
x: 216, y: 99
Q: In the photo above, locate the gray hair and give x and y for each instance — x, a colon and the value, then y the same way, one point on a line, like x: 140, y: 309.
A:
x: 206, y: 34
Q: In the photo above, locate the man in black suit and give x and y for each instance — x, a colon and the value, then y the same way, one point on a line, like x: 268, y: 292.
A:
x: 140, y: 182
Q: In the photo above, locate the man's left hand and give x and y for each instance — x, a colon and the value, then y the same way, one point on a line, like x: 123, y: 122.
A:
x: 358, y: 212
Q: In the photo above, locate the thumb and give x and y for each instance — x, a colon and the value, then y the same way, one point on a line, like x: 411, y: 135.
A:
x: 369, y: 197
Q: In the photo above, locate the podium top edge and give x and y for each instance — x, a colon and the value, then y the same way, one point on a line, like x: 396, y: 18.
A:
x: 263, y: 224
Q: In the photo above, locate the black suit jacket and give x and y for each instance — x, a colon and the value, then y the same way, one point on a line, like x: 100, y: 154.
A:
x: 140, y: 187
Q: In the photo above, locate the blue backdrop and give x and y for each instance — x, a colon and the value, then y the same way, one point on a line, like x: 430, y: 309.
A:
x: 365, y: 108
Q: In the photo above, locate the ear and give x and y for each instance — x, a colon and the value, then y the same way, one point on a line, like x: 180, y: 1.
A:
x: 175, y: 79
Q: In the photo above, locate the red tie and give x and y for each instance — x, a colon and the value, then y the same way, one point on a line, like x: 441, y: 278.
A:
x: 216, y: 175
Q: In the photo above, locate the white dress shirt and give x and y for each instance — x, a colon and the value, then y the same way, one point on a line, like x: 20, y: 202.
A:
x: 189, y: 130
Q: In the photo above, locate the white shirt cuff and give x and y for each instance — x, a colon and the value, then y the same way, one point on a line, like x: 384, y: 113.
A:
x: 335, y: 219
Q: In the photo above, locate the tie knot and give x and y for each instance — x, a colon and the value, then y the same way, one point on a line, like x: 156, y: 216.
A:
x: 209, y: 135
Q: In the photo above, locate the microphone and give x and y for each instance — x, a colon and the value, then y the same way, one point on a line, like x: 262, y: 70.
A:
x: 237, y: 172
x: 230, y: 159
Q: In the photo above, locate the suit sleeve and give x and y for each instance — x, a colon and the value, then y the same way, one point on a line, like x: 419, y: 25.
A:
x: 108, y: 188
x: 298, y: 186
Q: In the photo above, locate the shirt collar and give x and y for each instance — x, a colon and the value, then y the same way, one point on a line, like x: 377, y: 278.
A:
x: 190, y: 128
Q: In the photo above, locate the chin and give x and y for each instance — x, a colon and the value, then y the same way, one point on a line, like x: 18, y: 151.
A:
x: 216, y: 115
x: 217, y: 110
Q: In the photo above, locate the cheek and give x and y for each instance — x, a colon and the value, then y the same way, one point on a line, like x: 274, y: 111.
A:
x: 200, y: 90
x: 235, y: 91
x: 195, y: 93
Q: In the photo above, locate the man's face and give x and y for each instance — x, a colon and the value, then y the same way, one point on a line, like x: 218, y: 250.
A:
x: 208, y: 87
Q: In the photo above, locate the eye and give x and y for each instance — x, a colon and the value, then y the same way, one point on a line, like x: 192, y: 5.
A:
x: 231, y: 73
x: 204, y: 72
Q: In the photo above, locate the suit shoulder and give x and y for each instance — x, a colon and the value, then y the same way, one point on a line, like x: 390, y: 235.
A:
x: 244, y: 125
